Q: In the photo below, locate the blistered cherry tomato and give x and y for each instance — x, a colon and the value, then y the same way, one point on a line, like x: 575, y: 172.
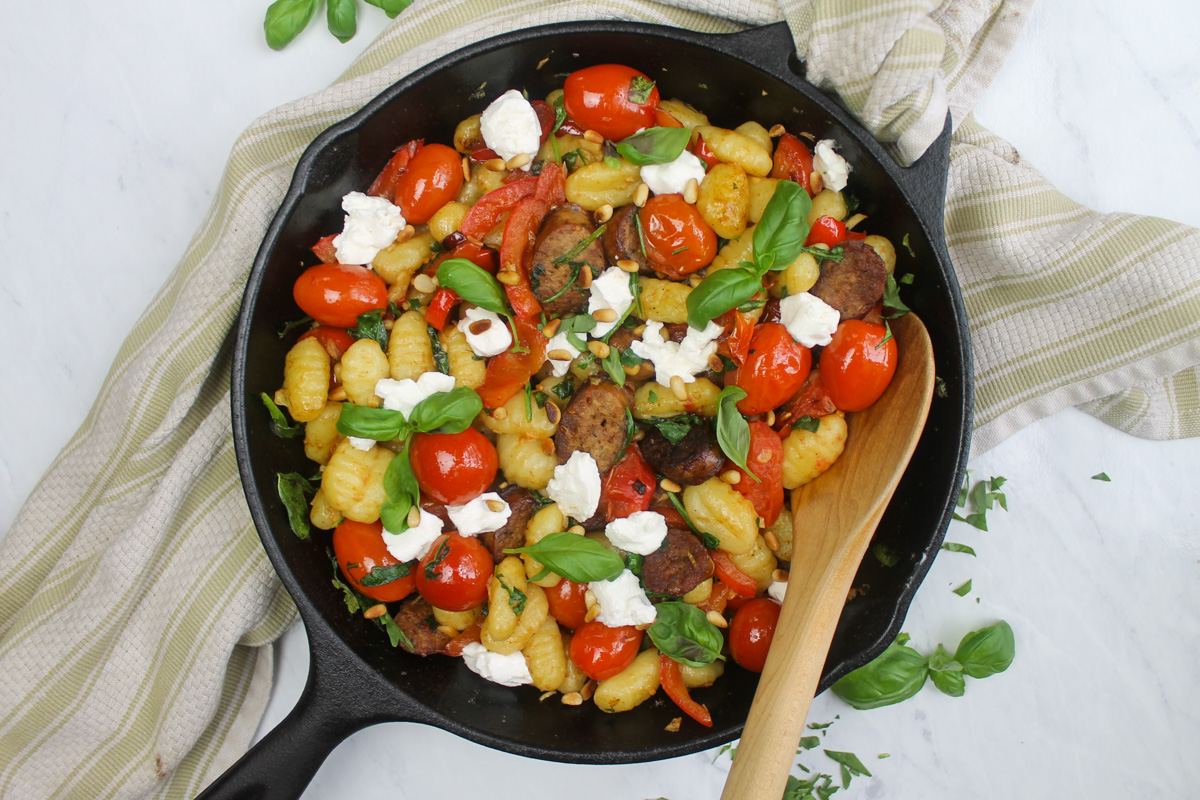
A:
x: 335, y: 294
x: 678, y: 240
x: 628, y: 486
x: 360, y: 552
x: 454, y: 574
x: 855, y: 368
x: 830, y: 231
x: 567, y: 603
x: 765, y: 460
x: 751, y: 631
x: 598, y: 98
x: 601, y: 652
x: 775, y: 369
x: 509, y: 371
x: 793, y: 161
x: 453, y: 468
x: 433, y: 178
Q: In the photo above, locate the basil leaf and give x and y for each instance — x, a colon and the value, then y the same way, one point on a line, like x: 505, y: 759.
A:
x: 654, y: 146
x: 516, y: 598
x: 807, y: 423
x: 1099, y: 476
x: 955, y: 547
x: 370, y: 326
x: 295, y: 491
x: 564, y: 389
x: 946, y: 673
x: 380, y: 424
x: 640, y: 88
x: 395, y: 634
x: 987, y: 651
x: 707, y: 539
x: 381, y: 576
x: 683, y: 632
x: 342, y: 18
x: 897, y: 674
x: 964, y: 590
x: 574, y: 557
x: 279, y: 423
x: 884, y: 555
x: 473, y: 284
x: 432, y: 573
x: 733, y: 432
x: 391, y: 7
x: 612, y: 365
x: 573, y: 326
x: 780, y: 233
x: 285, y: 19
x: 573, y: 160
x: 892, y: 301
x: 441, y: 359
x: 850, y: 762
x: 675, y: 428
x: 719, y: 292
x: 634, y: 563
x: 447, y: 412
x: 402, y: 492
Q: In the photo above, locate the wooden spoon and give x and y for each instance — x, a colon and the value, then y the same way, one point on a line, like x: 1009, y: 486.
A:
x: 835, y: 519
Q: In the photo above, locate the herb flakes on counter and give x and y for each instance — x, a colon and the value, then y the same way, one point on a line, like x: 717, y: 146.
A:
x: 1101, y: 476
x: 285, y: 19
x: 981, y: 499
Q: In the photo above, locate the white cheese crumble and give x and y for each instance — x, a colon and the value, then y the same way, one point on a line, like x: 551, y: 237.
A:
x: 622, y: 601
x: 510, y: 126
x: 576, y: 486
x: 673, y: 177
x: 490, y: 342
x: 506, y: 670
x: 372, y: 223
x: 809, y: 319
x: 776, y: 591
x: 833, y: 168
x: 686, y: 359
x: 642, y: 532
x: 475, y: 517
x: 559, y: 366
x: 403, y: 395
x: 360, y: 443
x: 416, y: 541
x: 610, y: 290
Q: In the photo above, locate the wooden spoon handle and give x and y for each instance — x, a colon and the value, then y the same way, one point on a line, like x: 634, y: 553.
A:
x: 793, y: 670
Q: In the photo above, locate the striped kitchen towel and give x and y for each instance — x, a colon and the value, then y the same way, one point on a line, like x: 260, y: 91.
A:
x: 136, y: 602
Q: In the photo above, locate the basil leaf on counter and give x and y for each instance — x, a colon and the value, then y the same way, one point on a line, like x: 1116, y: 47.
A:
x: 341, y: 16
x: 896, y: 675
x: 370, y: 326
x: 403, y: 493
x: 391, y: 7
x: 987, y: 651
x: 279, y: 423
x: 380, y: 424
x: 473, y: 284
x: 719, y: 292
x: 675, y: 428
x: 733, y: 432
x: 956, y: 547
x: 285, y: 19
x: 574, y: 557
x: 381, y: 576
x: 447, y: 412
x: 780, y: 233
x: 964, y: 590
x: 654, y: 145
x: 295, y: 491
x: 946, y: 673
x: 683, y: 632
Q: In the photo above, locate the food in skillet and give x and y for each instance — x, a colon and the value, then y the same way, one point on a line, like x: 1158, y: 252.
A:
x: 561, y: 376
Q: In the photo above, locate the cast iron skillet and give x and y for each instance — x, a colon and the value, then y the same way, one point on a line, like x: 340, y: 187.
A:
x: 355, y: 678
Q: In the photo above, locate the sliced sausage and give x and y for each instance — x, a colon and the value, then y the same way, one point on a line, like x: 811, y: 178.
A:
x: 694, y: 460
x: 855, y: 284
x: 523, y: 505
x: 621, y: 241
x: 594, y: 422
x: 556, y: 285
x: 415, y: 618
x: 678, y: 566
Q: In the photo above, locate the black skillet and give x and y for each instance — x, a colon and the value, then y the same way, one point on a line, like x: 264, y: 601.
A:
x: 356, y: 679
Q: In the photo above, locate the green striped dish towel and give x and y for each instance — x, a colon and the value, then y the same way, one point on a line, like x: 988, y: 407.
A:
x: 136, y: 603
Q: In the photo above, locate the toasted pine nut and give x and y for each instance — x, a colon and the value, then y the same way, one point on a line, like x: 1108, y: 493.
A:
x: 494, y: 164
x: 551, y: 328
x: 559, y: 355
x: 388, y: 324
x: 547, y: 446
x: 479, y: 326
x: 541, y: 64
x: 772, y: 540
x: 604, y: 213
x: 776, y: 131
x: 406, y: 234
x: 593, y: 136
x: 423, y: 284
x: 585, y: 276
x: 639, y: 330
x: 591, y: 614
x: 691, y: 191
x: 716, y: 619
x: 631, y: 371
x: 674, y: 725
x: 503, y: 485
x: 669, y: 485
x: 731, y: 476
x: 807, y: 135
x: 466, y: 169
x: 338, y: 393
x: 446, y: 629
x: 857, y: 218
x: 694, y: 280
x: 715, y: 363
x: 500, y: 413
x: 817, y: 182
x: 414, y: 517
x: 763, y: 457
x: 641, y: 195
x: 553, y: 415
x: 495, y: 505
x: 588, y: 690
x: 599, y: 349
x: 678, y: 388
x: 627, y: 265
x: 771, y: 418
x: 544, y: 696
x: 508, y: 277
x: 375, y: 611
x: 780, y: 576
x: 572, y: 699
x: 605, y: 315
x: 579, y: 531
x: 518, y: 161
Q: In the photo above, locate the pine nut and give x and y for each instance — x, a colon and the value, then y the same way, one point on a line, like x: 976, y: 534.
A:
x: 592, y: 613
x: 857, y: 218
x: 715, y: 363
x: 641, y: 195
x: 547, y: 446
x: 447, y: 630
x: 414, y: 517
x: 669, y: 485
x: 388, y: 324
x: 375, y: 611
x: 716, y: 619
x: 694, y: 280
x: 338, y: 393
x: 494, y: 164
x: 495, y: 505
x: 559, y: 355
x: 466, y: 169
x: 691, y: 192
x: 780, y: 576
x: 776, y: 131
x: 541, y: 64
x: 423, y: 284
x: 553, y: 415
x: 626, y: 265
x: 771, y: 540
x: 674, y: 725
x: 479, y: 326
x: 551, y: 328
x: 593, y: 136
x: 678, y: 388
x: 579, y: 531
x: 585, y: 276
x: 588, y: 690
x: 572, y: 699
x: 544, y: 696
x: 406, y: 234
x: 518, y: 161
x: 639, y: 330
x: 604, y: 213
x: 508, y: 277
x: 817, y: 182
x: 763, y: 457
x: 599, y: 349
x: 500, y: 413
x: 771, y: 419
x: 605, y: 315
x: 732, y: 477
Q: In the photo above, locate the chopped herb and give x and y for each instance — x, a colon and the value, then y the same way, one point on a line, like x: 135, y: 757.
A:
x: 820, y: 726
x: 1099, y: 476
x: 982, y: 497
x: 676, y: 427
x: 907, y: 279
x: 540, y: 398
x: 612, y: 162
x: 564, y: 389
x: 516, y: 598
x: 279, y: 423
x: 440, y: 358
x: 940, y: 386
x: 639, y: 89
x: 295, y: 491
x: 679, y: 250
x: 652, y: 396
x: 579, y: 248
x: 631, y: 430
x: 479, y: 93
x: 432, y: 573
x: 379, y: 576
x: 851, y: 765
x: 809, y: 742
x: 284, y: 328
x: 573, y: 160
x: 634, y: 562
x: 637, y: 223
x: 964, y: 590
x: 807, y: 423
x: 891, y: 300
x: 955, y: 547
x: 908, y: 246
x: 887, y: 335
x: 884, y: 555
x: 709, y: 541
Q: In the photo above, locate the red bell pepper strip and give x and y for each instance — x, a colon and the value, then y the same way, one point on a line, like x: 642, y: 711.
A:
x: 487, y: 211
x: 765, y: 459
x: 385, y: 184
x: 672, y: 683
x: 325, y: 250
x: 545, y: 115
x: 552, y: 185
x: 830, y: 231
x: 629, y: 485
x: 700, y: 150
x: 481, y: 154
x: 440, y: 306
x: 741, y: 583
x: 508, y: 372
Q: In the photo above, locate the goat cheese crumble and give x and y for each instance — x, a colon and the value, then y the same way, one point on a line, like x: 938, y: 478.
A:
x: 687, y: 359
x: 809, y: 319
x: 403, y: 395
x: 506, y: 670
x: 673, y: 176
x: 371, y: 224
x: 576, y: 486
x: 493, y: 340
x: 559, y: 366
x: 834, y: 169
x: 361, y: 443
x: 623, y: 601
x: 476, y: 516
x: 776, y: 591
x: 510, y: 126
x: 609, y: 290
x: 416, y: 541
x: 642, y: 532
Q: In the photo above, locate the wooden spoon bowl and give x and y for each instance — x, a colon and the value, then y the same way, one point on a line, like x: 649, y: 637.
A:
x: 835, y: 519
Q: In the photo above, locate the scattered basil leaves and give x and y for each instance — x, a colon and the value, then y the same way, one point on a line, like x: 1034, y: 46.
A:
x: 295, y: 491
x: 341, y: 16
x: 946, y: 673
x: 706, y: 538
x: 780, y: 233
x: 370, y: 326
x: 279, y: 424
x: 655, y: 145
x: 675, y: 428
x: 807, y: 423
x: 403, y: 493
x: 381, y: 576
x: 441, y: 359
x: 285, y: 19
x: 574, y: 557
x: 733, y: 432
x: 449, y: 412
x: 364, y: 422
x: 683, y: 632
x: 473, y: 284
x: 719, y: 292
x: 896, y: 675
x: 987, y: 651
x: 640, y: 88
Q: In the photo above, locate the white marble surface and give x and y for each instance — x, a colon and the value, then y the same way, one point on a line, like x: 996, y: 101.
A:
x: 119, y: 122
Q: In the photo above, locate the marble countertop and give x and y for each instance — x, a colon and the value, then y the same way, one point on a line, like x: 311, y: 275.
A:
x: 119, y: 124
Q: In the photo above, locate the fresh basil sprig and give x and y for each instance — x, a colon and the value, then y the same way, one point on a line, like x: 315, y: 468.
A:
x: 574, y: 557
x: 473, y: 284
x: 683, y: 632
x: 733, y: 432
x: 403, y: 492
x: 654, y: 145
x: 719, y: 292
x: 286, y: 18
x: 364, y: 422
x: 987, y: 651
x: 370, y: 326
x: 279, y: 424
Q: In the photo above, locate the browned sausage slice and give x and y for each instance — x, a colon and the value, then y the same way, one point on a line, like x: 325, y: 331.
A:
x: 678, y: 566
x: 556, y: 285
x: 594, y: 422
x: 855, y: 284
x: 522, y: 504
x: 694, y: 460
x: 415, y: 618
x: 621, y: 240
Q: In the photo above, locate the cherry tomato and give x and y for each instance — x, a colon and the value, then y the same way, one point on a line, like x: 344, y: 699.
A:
x: 765, y: 460
x: 830, y: 231
x: 335, y: 294
x: 601, y: 651
x: 385, y: 184
x: 598, y: 98
x: 739, y: 330
x: 855, y: 368
x: 775, y: 369
x: 509, y: 371
x: 628, y: 486
x: 751, y: 631
x: 567, y: 603
x: 678, y: 240
x: 793, y: 161
x: 360, y: 550
x: 453, y: 468
x: 433, y: 178
x: 454, y: 574
x: 811, y: 401
x: 335, y: 340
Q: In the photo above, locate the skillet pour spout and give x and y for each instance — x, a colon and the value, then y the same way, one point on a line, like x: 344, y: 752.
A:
x: 356, y: 678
